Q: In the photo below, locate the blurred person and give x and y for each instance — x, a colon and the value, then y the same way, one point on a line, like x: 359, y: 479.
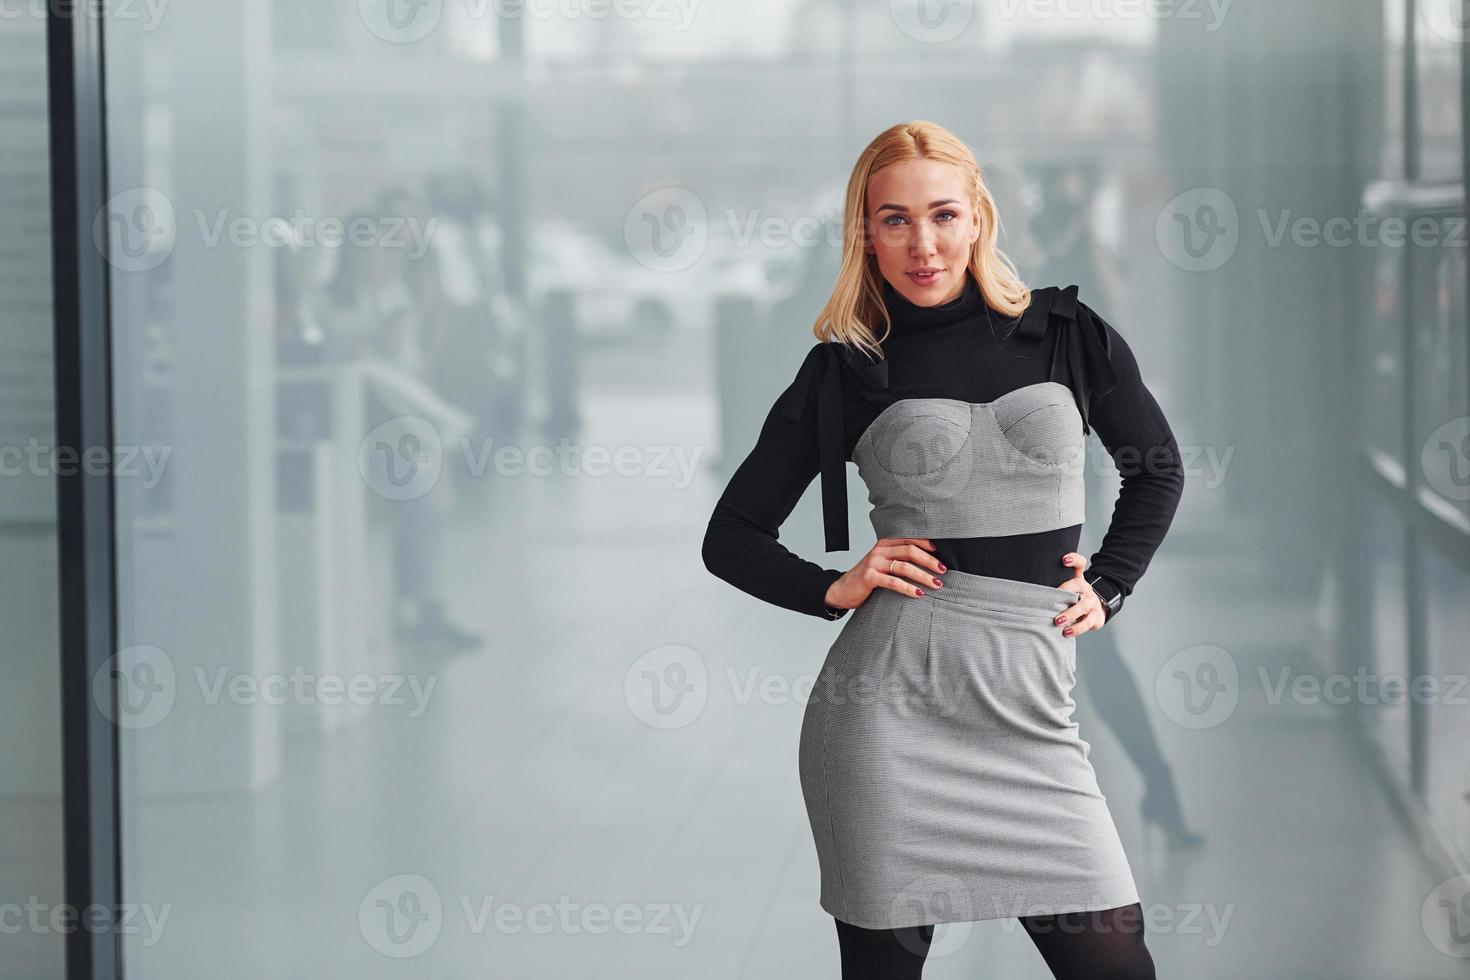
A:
x: 943, y: 775
x: 1062, y: 231
x: 373, y: 313
x: 405, y: 217
x: 1061, y: 227
x: 480, y: 350
x: 298, y: 332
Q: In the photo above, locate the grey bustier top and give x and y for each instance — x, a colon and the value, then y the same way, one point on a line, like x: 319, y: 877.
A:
x: 941, y: 467
x: 945, y: 468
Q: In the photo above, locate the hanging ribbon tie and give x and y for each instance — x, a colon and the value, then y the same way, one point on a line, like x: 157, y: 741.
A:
x: 823, y: 369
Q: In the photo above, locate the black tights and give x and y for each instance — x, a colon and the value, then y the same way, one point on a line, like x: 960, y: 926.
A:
x: 1101, y: 945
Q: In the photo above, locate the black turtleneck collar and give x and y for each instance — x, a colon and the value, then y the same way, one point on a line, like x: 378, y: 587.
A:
x: 908, y: 317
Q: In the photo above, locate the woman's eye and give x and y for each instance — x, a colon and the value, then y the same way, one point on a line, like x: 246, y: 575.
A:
x: 898, y: 217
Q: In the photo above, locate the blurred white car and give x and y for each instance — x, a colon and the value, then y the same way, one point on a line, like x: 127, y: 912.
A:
x: 619, y: 298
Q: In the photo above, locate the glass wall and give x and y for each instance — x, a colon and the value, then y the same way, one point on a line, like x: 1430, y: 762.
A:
x: 1447, y: 777
x: 1383, y: 554
x: 30, y: 746
x: 1414, y: 357
x: 1441, y: 398
x: 371, y: 267
x: 1440, y: 36
x: 437, y: 329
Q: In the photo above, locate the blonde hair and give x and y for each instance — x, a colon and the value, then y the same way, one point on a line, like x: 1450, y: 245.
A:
x: 856, y: 303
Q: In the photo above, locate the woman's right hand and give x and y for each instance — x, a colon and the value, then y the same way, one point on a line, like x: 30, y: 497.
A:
x: 900, y: 564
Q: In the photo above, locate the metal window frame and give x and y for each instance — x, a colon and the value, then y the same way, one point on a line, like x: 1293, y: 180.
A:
x: 85, y: 513
x: 1398, y: 484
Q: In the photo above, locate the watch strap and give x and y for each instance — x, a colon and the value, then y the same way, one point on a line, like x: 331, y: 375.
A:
x: 1109, y: 592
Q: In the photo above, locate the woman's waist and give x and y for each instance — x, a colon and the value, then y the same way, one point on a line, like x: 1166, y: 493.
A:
x: 988, y: 592
x: 1034, y: 558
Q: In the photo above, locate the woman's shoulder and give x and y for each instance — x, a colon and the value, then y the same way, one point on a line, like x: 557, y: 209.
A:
x: 1083, y: 347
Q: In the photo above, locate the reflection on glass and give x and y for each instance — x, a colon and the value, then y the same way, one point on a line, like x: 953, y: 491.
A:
x: 1391, y: 158
x: 1440, y: 37
x: 1380, y: 358
x: 1447, y: 790
x: 1383, y: 551
x: 30, y: 727
x: 1441, y: 397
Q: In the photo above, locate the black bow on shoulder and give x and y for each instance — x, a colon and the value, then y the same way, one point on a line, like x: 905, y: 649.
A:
x: 1082, y: 357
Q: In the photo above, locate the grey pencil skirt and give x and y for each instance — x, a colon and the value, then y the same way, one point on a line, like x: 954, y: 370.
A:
x: 943, y: 775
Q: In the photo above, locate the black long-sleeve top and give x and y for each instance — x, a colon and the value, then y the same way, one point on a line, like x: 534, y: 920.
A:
x: 962, y: 350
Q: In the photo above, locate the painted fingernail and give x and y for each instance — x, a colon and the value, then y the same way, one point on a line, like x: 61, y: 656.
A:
x: 938, y: 584
x: 942, y: 568
x: 1058, y: 620
x: 1067, y: 632
x: 920, y: 591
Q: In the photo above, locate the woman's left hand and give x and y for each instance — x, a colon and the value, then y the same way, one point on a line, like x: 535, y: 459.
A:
x: 1087, y: 613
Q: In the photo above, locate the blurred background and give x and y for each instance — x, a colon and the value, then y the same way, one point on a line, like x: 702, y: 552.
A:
x: 436, y: 328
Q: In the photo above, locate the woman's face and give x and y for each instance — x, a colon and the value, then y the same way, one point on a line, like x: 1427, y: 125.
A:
x: 920, y: 227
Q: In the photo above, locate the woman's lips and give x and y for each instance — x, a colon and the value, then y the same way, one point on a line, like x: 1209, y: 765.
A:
x: 924, y: 278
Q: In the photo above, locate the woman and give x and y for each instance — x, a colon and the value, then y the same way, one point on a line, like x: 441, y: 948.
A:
x: 943, y: 775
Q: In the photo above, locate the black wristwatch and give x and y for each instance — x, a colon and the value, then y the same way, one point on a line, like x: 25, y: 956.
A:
x: 1110, y: 595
